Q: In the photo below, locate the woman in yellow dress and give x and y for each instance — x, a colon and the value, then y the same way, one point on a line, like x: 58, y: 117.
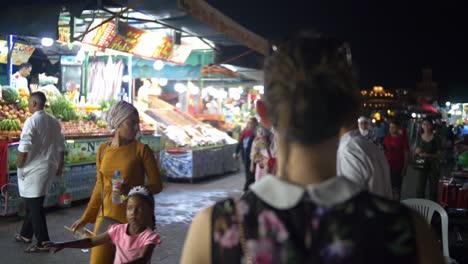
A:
x: 133, y: 159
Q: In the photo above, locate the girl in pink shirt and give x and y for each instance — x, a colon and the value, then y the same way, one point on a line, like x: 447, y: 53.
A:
x: 134, y: 241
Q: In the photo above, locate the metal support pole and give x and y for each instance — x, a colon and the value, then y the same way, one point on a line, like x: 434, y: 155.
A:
x: 130, y: 77
x: 11, y: 45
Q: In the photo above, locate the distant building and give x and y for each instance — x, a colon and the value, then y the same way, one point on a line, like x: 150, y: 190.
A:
x: 427, y: 87
x: 377, y: 99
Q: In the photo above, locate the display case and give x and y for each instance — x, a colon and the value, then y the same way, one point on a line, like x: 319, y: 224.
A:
x: 71, y: 77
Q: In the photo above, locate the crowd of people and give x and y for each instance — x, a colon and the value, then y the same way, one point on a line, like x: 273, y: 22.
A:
x: 309, y: 190
x: 303, y: 212
x: 377, y: 157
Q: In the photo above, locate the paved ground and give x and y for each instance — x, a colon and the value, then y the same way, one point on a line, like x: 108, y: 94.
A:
x: 175, y: 209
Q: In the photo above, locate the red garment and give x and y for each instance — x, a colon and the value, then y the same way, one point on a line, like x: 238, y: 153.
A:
x: 3, y: 163
x: 246, y: 134
x: 395, y: 148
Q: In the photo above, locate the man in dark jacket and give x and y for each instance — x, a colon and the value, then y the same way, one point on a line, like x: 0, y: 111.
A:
x: 245, y: 145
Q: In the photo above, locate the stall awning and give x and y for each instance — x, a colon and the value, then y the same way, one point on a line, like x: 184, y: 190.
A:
x: 201, y: 19
x: 195, y: 17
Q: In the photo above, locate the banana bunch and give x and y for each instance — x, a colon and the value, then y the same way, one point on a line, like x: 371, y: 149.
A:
x: 9, y: 125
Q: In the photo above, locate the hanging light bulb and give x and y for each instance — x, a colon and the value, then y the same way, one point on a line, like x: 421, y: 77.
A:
x: 47, y: 42
x: 180, y: 87
x: 163, y: 81
x: 194, y: 89
x: 125, y: 78
x: 158, y: 65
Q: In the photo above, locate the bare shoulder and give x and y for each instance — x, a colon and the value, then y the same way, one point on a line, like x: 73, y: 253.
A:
x: 197, y: 248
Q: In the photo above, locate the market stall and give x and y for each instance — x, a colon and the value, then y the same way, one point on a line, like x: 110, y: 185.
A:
x: 84, y: 129
x: 192, y: 150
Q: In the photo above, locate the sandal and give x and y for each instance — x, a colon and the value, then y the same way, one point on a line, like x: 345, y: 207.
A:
x: 22, y: 239
x: 36, y: 249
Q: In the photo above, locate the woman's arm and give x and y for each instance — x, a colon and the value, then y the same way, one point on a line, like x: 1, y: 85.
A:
x: 148, y: 252
x: 92, y: 210
x: 197, y: 247
x: 82, y: 243
x: 428, y: 250
x: 152, y: 171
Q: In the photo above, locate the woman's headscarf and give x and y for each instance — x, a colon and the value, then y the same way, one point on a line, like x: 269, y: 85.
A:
x: 118, y: 113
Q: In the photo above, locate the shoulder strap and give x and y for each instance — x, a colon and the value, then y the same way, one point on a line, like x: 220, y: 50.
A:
x: 102, y: 176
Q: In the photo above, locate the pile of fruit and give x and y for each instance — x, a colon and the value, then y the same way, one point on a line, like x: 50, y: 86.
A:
x: 23, y: 94
x: 11, y: 128
x: 12, y: 118
x: 83, y: 128
x: 9, y: 95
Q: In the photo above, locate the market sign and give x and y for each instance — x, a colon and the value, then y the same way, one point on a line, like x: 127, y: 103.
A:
x: 131, y: 40
x: 21, y: 53
x: 180, y: 54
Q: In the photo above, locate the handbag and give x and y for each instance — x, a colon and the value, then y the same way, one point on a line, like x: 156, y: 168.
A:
x: 420, y: 163
x: 106, y: 220
x: 271, y: 164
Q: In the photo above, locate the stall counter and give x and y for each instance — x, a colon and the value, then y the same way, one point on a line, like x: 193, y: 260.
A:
x: 194, y: 164
x: 79, y: 174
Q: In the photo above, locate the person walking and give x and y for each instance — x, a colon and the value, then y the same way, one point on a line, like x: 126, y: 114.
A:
x: 428, y: 147
x: 245, y: 147
x: 363, y: 162
x: 397, y: 152
x: 364, y: 129
x: 40, y: 159
x: 306, y: 214
x: 260, y: 153
x: 133, y: 160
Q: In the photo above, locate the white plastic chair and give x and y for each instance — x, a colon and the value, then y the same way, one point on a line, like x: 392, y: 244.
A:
x: 426, y: 208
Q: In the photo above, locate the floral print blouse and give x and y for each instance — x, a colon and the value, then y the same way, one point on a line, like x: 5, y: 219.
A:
x: 363, y: 229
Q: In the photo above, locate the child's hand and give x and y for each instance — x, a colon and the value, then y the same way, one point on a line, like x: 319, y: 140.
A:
x: 56, y: 247
x: 124, y: 189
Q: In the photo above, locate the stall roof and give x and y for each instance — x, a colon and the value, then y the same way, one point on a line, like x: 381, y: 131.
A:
x: 191, y: 17
x: 143, y: 68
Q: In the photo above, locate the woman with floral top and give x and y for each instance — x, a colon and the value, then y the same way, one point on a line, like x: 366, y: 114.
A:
x: 260, y: 153
x: 306, y: 214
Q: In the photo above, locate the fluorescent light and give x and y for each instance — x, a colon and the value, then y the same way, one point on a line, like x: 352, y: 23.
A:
x: 47, y: 42
x: 230, y: 67
x: 88, y: 19
x: 258, y: 87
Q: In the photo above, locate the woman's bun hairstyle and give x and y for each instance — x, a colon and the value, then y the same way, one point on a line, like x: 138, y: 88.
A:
x: 310, y: 88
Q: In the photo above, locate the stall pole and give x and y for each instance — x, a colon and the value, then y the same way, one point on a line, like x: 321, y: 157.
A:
x: 11, y: 44
x: 130, y: 77
x: 84, y: 90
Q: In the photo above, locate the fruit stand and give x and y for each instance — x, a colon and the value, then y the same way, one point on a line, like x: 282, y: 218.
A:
x: 83, y: 135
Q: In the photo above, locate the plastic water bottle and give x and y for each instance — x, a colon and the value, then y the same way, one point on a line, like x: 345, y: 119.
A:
x: 81, y: 234
x: 116, y: 183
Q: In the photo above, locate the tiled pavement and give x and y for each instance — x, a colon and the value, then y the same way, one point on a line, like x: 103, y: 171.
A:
x: 175, y: 207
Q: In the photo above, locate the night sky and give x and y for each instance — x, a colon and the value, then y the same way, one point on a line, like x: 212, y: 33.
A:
x: 391, y: 41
